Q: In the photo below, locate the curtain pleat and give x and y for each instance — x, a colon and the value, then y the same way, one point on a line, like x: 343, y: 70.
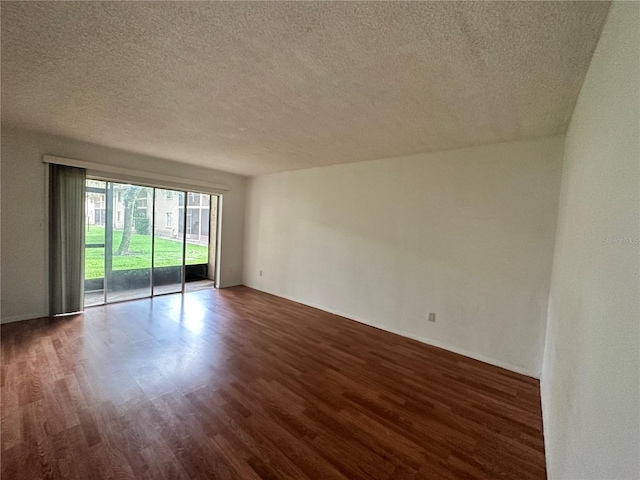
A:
x: 66, y: 238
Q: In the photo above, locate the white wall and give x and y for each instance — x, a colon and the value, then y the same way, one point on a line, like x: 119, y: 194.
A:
x: 467, y: 234
x: 591, y: 375
x: 24, y: 231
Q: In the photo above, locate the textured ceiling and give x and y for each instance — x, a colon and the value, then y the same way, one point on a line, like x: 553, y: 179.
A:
x: 254, y: 88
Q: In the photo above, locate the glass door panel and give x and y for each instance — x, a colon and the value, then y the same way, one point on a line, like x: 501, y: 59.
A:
x: 168, y: 242
x: 95, y: 211
x: 128, y: 241
x: 198, y: 218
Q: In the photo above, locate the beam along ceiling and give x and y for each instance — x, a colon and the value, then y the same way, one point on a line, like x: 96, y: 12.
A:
x: 253, y: 88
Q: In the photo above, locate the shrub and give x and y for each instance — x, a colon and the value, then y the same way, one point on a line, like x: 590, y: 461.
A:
x: 141, y: 225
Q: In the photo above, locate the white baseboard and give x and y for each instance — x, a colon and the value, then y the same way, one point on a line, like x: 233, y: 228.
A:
x: 545, y: 421
x: 20, y: 318
x: 428, y: 341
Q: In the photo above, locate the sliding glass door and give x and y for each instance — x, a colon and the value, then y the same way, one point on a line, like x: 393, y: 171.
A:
x: 143, y: 241
x: 168, y: 243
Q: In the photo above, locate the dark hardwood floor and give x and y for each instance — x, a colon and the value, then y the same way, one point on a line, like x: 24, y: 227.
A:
x: 236, y: 383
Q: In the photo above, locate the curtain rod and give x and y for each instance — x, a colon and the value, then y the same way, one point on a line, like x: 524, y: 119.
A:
x: 127, y: 174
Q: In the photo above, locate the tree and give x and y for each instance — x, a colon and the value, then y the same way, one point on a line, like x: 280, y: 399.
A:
x: 129, y: 204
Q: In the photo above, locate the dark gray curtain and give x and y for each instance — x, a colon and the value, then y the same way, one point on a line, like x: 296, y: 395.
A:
x: 66, y: 238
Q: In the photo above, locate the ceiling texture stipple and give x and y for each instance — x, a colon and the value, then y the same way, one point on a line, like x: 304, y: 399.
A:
x: 254, y: 88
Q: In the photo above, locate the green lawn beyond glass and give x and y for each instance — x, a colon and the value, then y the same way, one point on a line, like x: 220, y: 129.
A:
x: 168, y: 253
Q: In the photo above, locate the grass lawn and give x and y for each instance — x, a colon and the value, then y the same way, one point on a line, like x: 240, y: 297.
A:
x: 168, y: 253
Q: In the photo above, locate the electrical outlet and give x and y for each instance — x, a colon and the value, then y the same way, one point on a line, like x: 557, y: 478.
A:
x: 260, y: 272
x: 432, y: 317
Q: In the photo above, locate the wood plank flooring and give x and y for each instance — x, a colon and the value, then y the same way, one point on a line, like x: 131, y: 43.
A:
x: 238, y: 384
